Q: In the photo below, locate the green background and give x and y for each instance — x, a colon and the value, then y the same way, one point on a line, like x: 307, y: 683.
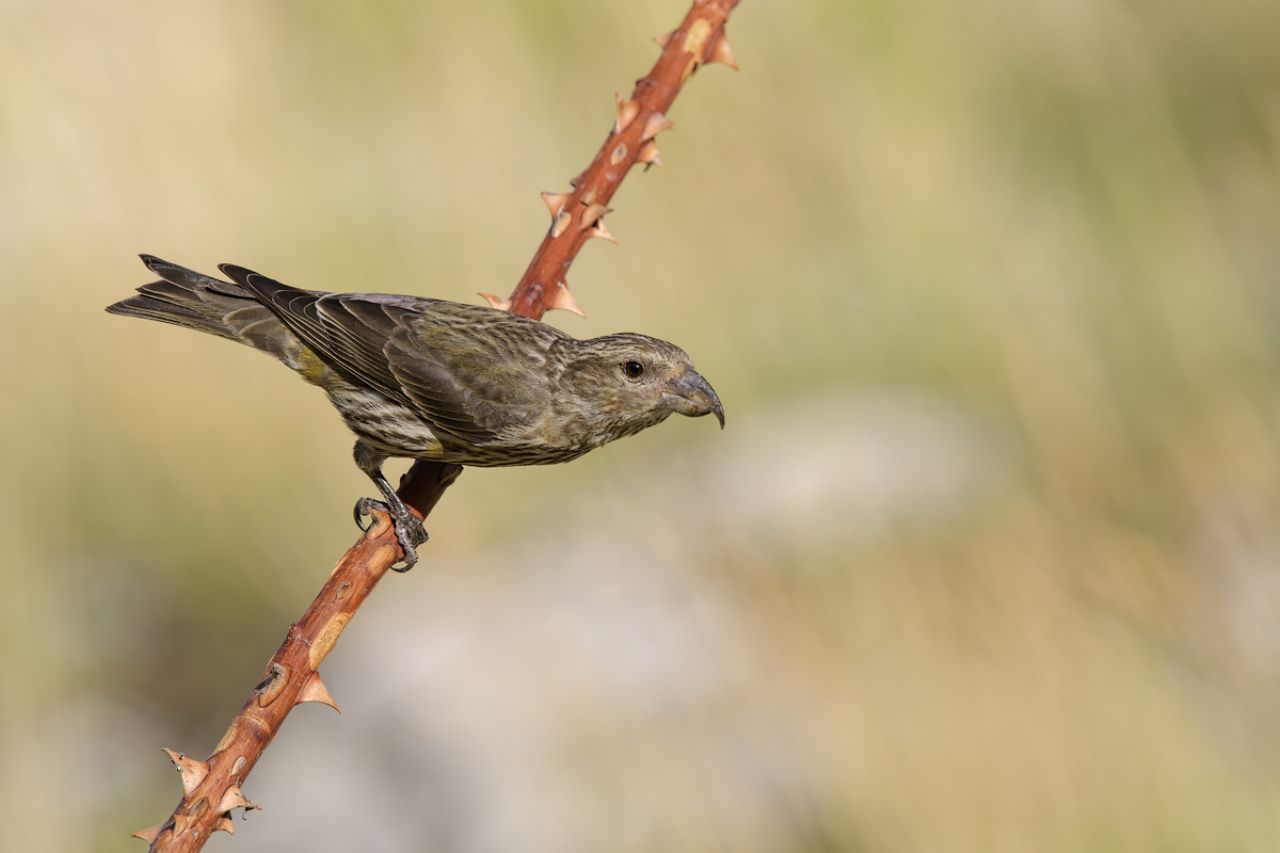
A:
x: 986, y: 560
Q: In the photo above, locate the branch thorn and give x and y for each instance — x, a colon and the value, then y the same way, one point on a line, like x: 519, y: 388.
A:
x: 561, y: 223
x: 234, y: 798
x: 496, y: 301
x: 191, y: 770
x: 655, y: 124
x: 315, y: 691
x: 592, y: 215
x: 602, y: 232
x: 720, y: 52
x: 554, y: 201
x: 150, y: 834
x: 627, y: 111
x: 563, y: 299
x: 649, y: 154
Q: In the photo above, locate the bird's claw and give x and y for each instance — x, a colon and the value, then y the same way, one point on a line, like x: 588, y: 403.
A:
x: 409, y: 530
x: 365, y: 508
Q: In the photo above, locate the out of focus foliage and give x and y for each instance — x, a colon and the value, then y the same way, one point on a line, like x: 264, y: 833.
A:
x: 986, y: 560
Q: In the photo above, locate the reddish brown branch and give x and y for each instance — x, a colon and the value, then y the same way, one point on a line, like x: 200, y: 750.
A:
x: 211, y: 789
x: 577, y: 216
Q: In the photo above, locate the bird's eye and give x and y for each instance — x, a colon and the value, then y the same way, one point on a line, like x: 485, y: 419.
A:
x: 633, y: 369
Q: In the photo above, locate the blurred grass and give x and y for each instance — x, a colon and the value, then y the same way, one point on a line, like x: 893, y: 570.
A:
x: 989, y: 291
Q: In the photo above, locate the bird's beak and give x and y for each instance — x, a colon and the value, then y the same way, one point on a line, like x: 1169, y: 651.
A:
x: 695, y: 397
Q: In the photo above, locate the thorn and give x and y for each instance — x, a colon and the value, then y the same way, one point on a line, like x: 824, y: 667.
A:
x: 150, y: 833
x: 592, y: 215
x: 626, y: 112
x: 496, y: 301
x: 234, y: 798
x: 720, y: 52
x: 661, y: 39
x: 561, y: 223
x: 554, y: 201
x: 180, y: 822
x: 655, y: 124
x: 649, y: 154
x: 191, y: 770
x: 315, y: 691
x: 225, y: 824
x: 564, y: 300
x: 603, y: 233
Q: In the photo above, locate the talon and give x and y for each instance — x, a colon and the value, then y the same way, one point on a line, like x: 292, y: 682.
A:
x: 410, y: 560
x: 408, y: 529
x: 409, y: 533
x: 366, y: 507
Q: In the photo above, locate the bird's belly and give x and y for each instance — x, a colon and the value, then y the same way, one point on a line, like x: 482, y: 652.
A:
x: 385, y: 424
x: 397, y: 430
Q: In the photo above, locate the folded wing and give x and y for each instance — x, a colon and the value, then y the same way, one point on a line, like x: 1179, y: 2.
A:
x: 472, y: 372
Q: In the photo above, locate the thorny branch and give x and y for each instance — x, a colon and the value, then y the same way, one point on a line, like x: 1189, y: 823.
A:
x: 211, y: 788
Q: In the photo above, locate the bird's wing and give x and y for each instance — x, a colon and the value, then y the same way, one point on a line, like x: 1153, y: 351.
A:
x: 478, y: 373
x: 469, y: 370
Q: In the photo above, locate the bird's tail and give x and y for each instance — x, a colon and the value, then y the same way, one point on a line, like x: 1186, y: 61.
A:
x: 187, y: 298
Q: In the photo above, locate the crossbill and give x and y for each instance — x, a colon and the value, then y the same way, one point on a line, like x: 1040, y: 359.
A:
x: 430, y: 379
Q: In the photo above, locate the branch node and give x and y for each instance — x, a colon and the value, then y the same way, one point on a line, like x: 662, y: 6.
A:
x: 328, y: 639
x: 271, y: 686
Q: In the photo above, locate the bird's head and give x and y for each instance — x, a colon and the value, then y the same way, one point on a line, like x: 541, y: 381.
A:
x: 631, y: 382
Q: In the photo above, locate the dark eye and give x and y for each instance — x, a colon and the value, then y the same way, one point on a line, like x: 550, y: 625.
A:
x: 633, y: 369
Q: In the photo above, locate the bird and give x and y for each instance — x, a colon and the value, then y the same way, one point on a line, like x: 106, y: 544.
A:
x: 421, y: 378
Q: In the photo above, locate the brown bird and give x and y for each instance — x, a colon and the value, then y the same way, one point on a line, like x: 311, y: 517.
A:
x: 430, y: 379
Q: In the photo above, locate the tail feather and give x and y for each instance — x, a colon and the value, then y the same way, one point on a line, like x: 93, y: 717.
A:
x: 152, y: 308
x: 193, y: 300
x: 266, y: 290
x: 190, y: 279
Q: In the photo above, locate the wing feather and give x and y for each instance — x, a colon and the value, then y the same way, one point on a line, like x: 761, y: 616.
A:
x: 480, y: 379
x: 470, y: 371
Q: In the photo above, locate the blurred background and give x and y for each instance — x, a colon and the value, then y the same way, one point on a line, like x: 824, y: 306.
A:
x: 988, y: 558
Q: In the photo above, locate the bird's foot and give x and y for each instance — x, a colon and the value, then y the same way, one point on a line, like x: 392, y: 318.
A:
x: 409, y: 530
